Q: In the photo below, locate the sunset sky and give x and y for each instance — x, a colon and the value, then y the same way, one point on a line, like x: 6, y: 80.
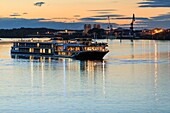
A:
x: 73, y: 14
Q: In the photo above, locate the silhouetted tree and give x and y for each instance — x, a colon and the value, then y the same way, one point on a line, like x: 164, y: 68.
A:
x: 97, y: 32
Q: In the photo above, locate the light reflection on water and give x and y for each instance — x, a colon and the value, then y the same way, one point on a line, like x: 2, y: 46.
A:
x: 132, y: 78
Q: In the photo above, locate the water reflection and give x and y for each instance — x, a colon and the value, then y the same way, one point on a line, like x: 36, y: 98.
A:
x: 132, y: 50
x: 64, y: 76
x: 87, y: 72
x: 156, y: 70
x: 42, y: 78
x: 169, y: 56
x: 135, y: 77
x: 104, y: 80
x: 94, y: 73
x: 169, y: 52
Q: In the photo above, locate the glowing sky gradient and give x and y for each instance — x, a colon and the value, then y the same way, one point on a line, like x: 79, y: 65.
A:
x: 86, y: 11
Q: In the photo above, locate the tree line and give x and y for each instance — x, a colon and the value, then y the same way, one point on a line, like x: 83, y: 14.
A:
x: 24, y: 32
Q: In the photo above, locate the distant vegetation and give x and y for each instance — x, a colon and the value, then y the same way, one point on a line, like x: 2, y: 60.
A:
x: 94, y: 32
x: 97, y: 32
x: 24, y: 32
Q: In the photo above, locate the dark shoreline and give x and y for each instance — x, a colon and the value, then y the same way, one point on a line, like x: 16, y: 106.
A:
x: 142, y: 39
x: 50, y: 33
x: 121, y: 39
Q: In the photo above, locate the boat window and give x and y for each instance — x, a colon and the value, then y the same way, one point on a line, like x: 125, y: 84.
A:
x: 70, y: 48
x: 16, y: 49
x: 41, y: 50
x: 49, y: 50
x: 77, y: 48
x: 31, y: 50
x: 37, y: 50
x: 45, y: 45
x: 59, y: 48
x: 69, y: 53
x: 63, y: 53
x: 15, y: 44
x: 59, y: 53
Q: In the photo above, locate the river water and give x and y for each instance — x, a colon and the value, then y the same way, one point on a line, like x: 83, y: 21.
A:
x: 132, y: 78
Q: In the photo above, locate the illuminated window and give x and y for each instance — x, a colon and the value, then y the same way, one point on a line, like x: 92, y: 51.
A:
x: 89, y: 48
x: 59, y: 48
x: 63, y: 53
x: 31, y: 50
x: 41, y: 50
x: 85, y: 48
x: 59, y: 53
x: 17, y: 49
x: 31, y: 57
x: 49, y: 50
x: 77, y: 48
x: 69, y: 53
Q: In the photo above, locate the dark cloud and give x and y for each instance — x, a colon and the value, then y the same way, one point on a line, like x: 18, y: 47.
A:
x: 39, y: 4
x: 112, y: 17
x: 60, y: 18
x: 121, y: 18
x: 162, y: 17
x: 25, y: 13
x: 15, y: 14
x: 129, y: 18
x: 9, y: 23
x: 155, y: 3
x: 92, y: 19
x: 156, y: 24
x: 108, y: 15
x: 157, y: 21
x: 76, y: 16
x: 43, y: 19
x: 103, y: 10
x: 136, y: 26
x: 65, y: 19
x: 162, y: 20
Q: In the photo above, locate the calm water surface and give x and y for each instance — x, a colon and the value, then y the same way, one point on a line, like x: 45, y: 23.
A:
x: 132, y: 78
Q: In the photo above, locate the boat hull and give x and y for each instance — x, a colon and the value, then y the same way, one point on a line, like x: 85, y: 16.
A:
x: 91, y: 55
x: 85, y: 55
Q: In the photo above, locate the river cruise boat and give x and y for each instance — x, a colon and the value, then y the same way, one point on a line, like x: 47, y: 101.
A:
x: 79, y: 48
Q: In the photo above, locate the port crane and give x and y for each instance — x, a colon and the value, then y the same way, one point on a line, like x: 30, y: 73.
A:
x: 131, y: 24
x: 110, y: 27
x: 131, y: 27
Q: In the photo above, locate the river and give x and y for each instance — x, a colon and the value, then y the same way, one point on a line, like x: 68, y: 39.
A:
x: 132, y: 78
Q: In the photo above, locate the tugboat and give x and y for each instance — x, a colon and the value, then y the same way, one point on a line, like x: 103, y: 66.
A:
x: 79, y: 48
